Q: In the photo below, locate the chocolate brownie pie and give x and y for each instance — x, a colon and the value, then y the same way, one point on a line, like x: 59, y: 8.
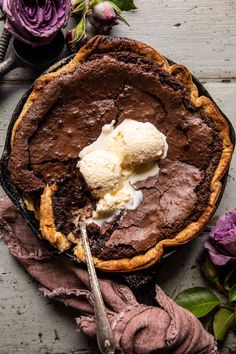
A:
x: 115, y: 83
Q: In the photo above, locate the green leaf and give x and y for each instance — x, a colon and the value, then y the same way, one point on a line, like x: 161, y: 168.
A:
x: 207, y: 322
x: 77, y: 2
x: 79, y: 8
x: 235, y: 317
x: 200, y: 301
x: 226, y: 281
x: 232, y: 293
x: 116, y: 8
x: 125, y: 5
x: 79, y: 30
x: 121, y: 18
x: 222, y: 323
x: 210, y: 272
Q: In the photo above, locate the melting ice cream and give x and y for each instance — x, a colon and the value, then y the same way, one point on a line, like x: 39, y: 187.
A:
x: 120, y: 157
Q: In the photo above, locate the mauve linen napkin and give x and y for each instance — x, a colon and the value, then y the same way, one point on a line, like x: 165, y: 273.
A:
x: 138, y: 329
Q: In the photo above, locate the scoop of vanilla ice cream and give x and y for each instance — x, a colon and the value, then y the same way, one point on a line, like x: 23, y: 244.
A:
x: 125, y: 197
x: 112, y: 202
x: 116, y: 160
x: 101, y: 171
x: 139, y: 143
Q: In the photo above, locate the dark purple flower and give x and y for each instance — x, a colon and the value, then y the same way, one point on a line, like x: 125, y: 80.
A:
x: 103, y: 16
x: 222, y: 243
x: 35, y: 22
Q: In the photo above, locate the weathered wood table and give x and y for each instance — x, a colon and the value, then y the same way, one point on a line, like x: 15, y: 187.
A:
x: 200, y: 34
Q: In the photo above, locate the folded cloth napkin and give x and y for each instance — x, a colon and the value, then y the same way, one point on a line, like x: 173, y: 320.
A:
x: 138, y: 329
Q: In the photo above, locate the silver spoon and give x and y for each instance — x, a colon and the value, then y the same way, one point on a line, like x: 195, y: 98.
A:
x: 105, y: 336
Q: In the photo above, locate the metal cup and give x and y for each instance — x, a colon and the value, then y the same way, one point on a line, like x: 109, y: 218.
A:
x: 23, y: 55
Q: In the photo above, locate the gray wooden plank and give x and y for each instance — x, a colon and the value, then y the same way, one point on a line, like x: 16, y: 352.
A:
x: 200, y: 34
x: 29, y: 322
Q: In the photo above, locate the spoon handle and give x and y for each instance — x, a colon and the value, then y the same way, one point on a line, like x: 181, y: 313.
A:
x: 105, y: 336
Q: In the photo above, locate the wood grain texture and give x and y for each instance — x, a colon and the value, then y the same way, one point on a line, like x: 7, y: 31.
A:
x: 29, y: 322
x: 189, y: 32
x: 200, y: 34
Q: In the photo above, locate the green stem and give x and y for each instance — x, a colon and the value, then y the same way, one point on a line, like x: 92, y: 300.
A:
x: 226, y: 306
x: 92, y: 3
x: 222, y: 289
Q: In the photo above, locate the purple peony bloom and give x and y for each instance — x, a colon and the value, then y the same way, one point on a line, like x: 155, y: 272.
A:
x: 35, y: 22
x: 222, y: 244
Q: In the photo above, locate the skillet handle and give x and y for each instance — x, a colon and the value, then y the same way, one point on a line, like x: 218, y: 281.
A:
x: 8, y: 64
x: 4, y: 42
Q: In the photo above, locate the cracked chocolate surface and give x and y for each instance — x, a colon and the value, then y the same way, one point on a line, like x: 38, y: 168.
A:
x: 70, y: 114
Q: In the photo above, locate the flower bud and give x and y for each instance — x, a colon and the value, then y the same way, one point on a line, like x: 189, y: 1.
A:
x: 69, y: 40
x: 73, y: 45
x: 210, y: 273
x: 103, y: 17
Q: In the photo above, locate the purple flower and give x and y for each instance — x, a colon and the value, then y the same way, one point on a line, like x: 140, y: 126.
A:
x: 103, y: 16
x: 222, y: 244
x: 35, y: 22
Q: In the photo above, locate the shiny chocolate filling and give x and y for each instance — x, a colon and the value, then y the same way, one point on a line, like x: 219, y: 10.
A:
x: 69, y: 115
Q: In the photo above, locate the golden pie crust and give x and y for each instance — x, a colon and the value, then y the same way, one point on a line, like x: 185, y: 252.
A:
x: 181, y: 73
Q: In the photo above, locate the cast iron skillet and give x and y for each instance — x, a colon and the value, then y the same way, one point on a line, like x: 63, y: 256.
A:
x: 135, y: 280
